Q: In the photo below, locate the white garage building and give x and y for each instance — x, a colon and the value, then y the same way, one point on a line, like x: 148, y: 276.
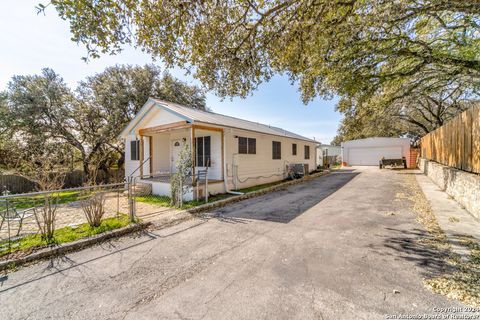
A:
x: 368, y: 152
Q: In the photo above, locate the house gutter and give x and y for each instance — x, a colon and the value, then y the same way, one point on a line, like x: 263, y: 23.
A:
x: 261, y: 132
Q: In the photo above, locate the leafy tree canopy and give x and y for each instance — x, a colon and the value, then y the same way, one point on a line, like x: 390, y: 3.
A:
x: 358, y: 49
x: 41, y: 111
x: 412, y: 116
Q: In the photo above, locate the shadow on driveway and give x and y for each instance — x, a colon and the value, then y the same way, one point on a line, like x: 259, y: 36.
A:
x: 412, y: 245
x: 285, y: 205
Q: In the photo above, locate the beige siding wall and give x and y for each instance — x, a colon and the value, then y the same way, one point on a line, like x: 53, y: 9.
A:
x: 245, y: 170
x: 161, y: 152
x: 159, y: 117
x: 132, y: 165
x: 162, y: 155
x: 215, y: 170
x: 242, y: 170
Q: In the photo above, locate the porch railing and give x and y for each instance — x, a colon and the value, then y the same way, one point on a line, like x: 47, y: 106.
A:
x: 138, y: 168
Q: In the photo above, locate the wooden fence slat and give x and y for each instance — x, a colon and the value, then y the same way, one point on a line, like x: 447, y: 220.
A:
x: 456, y: 143
x: 476, y: 140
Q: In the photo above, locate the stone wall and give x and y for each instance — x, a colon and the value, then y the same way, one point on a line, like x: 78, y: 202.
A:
x: 463, y: 186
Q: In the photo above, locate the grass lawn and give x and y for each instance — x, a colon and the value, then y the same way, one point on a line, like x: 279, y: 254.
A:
x: 164, y: 201
x: 267, y: 185
x: 64, y: 235
x: 260, y: 187
x: 33, y: 201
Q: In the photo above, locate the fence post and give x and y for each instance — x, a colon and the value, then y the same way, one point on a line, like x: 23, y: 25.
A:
x: 8, y: 226
x: 118, y: 201
x: 206, y: 184
x: 180, y: 194
x: 131, y: 203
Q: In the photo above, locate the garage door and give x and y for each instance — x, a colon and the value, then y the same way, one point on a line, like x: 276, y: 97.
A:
x: 370, y: 156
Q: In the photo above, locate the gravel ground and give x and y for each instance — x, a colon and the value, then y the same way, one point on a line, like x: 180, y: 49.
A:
x: 71, y: 214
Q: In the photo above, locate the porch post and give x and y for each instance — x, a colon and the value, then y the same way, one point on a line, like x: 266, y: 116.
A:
x: 150, y: 154
x: 222, y: 137
x: 192, y: 145
x: 141, y: 151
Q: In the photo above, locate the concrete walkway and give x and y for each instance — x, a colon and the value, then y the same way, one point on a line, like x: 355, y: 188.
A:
x: 452, y: 218
x: 342, y: 246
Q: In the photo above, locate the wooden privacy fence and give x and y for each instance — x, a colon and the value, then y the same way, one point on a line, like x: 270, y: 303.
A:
x: 17, y: 184
x: 457, y: 143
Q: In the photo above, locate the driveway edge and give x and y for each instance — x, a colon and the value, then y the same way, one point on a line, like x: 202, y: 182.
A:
x: 72, y: 246
x: 224, y: 202
x: 164, y: 223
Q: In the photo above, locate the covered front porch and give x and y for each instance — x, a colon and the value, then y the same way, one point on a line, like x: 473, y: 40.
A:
x: 159, y: 148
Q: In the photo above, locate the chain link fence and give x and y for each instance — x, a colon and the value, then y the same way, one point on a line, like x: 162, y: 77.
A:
x: 23, y: 214
x: 27, y: 214
x: 145, y: 199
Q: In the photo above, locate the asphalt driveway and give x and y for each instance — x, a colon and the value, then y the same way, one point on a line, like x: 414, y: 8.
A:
x: 343, y: 246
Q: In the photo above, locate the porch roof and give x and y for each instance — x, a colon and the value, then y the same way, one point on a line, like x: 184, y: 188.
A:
x: 191, y: 115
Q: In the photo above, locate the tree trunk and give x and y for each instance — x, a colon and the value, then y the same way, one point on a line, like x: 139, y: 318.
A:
x: 121, y: 161
x: 86, y: 170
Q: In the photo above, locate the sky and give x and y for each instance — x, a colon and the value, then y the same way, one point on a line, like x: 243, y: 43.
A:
x: 30, y: 42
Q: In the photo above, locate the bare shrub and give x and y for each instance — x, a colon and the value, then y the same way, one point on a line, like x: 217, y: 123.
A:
x: 45, y: 166
x: 94, y: 209
x: 45, y: 217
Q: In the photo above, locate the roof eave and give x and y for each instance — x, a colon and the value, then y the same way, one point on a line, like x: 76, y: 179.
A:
x: 143, y: 112
x: 277, y: 135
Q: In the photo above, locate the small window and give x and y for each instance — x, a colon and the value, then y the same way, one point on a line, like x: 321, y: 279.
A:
x: 135, y: 150
x: 307, y: 152
x: 203, y: 154
x: 242, y: 145
x: 252, y: 146
x: 247, y: 145
x: 294, y: 149
x: 276, y: 150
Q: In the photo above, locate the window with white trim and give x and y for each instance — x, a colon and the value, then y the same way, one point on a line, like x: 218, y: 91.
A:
x: 135, y: 150
x: 203, y: 153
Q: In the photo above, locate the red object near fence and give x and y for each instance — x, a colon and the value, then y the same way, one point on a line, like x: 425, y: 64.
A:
x: 414, y: 153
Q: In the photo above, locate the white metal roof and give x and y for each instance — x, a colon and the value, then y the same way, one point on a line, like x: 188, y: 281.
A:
x: 196, y: 115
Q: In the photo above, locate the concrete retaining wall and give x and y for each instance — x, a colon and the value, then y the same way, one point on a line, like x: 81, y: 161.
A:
x: 464, y: 187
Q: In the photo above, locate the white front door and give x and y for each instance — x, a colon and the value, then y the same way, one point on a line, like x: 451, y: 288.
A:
x: 176, y: 148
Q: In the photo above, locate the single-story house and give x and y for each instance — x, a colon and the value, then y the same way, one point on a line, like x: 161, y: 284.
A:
x: 328, y: 154
x: 238, y: 153
x: 369, y: 151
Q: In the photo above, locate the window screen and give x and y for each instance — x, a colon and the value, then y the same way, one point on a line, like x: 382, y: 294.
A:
x: 307, y: 152
x: 203, y: 155
x: 247, y: 145
x: 276, y: 150
x: 135, y: 150
x: 252, y: 146
x: 242, y: 145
